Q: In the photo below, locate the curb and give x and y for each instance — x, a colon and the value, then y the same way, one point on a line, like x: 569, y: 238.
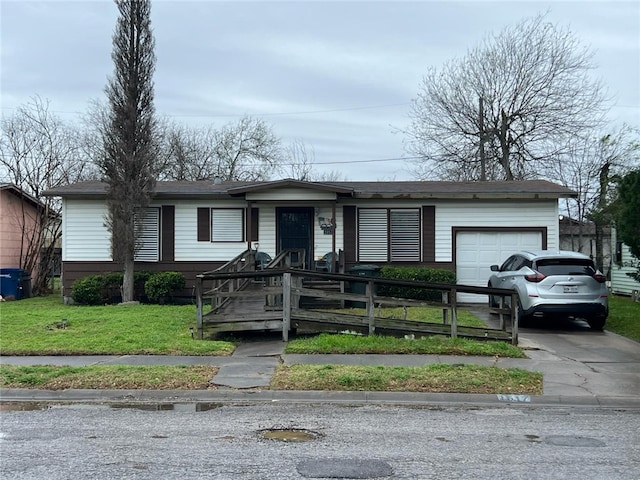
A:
x: 230, y: 396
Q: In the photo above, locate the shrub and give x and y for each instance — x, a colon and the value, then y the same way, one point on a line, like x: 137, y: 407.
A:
x: 161, y: 286
x: 415, y: 274
x: 89, y: 290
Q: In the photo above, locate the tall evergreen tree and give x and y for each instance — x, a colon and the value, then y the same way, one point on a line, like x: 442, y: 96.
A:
x: 128, y: 134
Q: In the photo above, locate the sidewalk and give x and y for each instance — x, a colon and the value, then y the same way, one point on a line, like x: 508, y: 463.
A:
x: 246, y: 374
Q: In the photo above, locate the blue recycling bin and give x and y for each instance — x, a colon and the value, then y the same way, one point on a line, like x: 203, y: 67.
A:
x: 12, y: 283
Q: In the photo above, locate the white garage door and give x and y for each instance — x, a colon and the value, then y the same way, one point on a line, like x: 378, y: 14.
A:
x: 477, y: 251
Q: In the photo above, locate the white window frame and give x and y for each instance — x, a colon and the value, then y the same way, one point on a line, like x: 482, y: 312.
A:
x: 228, y: 225
x: 389, y: 235
x: 148, y: 240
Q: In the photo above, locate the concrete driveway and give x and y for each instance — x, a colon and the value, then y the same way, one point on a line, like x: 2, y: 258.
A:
x: 602, y: 363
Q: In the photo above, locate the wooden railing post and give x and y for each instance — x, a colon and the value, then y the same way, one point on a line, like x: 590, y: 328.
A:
x: 370, y: 307
x: 445, y: 309
x: 199, y: 299
x: 286, y: 306
x: 454, y: 313
x: 514, y: 316
x: 501, y: 316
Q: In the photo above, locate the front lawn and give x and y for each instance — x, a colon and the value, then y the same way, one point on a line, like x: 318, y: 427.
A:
x: 45, y: 326
x: 436, y: 345
x: 429, y: 378
x: 624, y: 317
x: 109, y: 377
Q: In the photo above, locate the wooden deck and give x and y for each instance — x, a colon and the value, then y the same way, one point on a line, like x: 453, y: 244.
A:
x: 270, y: 300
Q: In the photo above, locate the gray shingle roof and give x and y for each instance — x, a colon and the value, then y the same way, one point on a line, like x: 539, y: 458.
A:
x: 411, y: 189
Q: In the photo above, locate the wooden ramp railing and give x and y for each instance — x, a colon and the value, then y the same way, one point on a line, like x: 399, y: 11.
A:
x: 270, y: 300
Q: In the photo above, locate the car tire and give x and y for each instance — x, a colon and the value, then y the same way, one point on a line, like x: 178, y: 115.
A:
x: 523, y: 319
x: 597, y: 323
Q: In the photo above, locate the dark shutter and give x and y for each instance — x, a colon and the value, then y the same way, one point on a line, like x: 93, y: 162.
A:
x: 167, y: 232
x: 349, y: 219
x: 254, y: 224
x: 204, y: 225
x: 429, y: 233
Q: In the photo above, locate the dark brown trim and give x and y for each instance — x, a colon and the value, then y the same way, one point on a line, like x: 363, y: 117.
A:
x: 72, y: 271
x: 350, y: 233
x: 456, y: 230
x: 204, y: 225
x: 428, y: 233
x: 254, y: 226
x: 167, y: 233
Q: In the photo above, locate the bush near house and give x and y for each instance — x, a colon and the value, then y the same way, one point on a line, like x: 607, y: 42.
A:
x: 415, y: 274
x: 105, y: 289
x: 160, y: 287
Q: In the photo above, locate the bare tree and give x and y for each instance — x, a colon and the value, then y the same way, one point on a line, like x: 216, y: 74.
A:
x: 506, y: 107
x: 187, y: 153
x: 592, y: 166
x: 127, y: 163
x: 38, y: 152
x: 246, y: 151
x: 298, y: 161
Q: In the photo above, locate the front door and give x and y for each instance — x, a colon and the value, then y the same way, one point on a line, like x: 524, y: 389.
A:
x: 294, y: 230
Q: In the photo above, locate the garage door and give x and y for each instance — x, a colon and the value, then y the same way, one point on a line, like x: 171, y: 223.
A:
x: 477, y: 251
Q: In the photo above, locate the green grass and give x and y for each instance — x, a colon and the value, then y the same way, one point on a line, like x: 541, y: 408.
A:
x: 429, y: 378
x: 358, y: 344
x: 49, y: 377
x: 624, y: 317
x: 35, y: 326
x: 422, y: 314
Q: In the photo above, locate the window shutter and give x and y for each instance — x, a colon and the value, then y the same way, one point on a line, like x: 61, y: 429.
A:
x: 372, y: 235
x: 255, y: 222
x: 405, y: 235
x: 204, y: 225
x: 148, y: 241
x: 227, y: 225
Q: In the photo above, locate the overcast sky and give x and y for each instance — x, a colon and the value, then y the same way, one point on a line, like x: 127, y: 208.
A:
x: 338, y: 76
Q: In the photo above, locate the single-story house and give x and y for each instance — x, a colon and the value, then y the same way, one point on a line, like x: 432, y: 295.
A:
x: 578, y: 236
x: 623, y: 263
x: 193, y: 227
x: 19, y: 224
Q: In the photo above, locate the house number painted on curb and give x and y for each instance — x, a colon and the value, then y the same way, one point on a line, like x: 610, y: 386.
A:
x: 515, y: 398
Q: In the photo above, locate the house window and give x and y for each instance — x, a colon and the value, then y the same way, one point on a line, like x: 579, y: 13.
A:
x: 147, y: 223
x: 388, y: 235
x: 227, y: 225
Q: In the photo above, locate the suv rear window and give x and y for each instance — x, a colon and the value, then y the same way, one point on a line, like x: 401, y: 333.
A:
x: 565, y: 266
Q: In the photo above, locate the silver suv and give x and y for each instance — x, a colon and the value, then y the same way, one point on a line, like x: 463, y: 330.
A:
x: 554, y: 283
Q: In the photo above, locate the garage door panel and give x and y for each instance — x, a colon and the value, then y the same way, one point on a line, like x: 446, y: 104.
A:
x: 477, y: 251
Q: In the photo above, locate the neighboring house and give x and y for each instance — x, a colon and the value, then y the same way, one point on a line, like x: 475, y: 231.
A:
x: 19, y: 223
x: 193, y: 227
x: 578, y: 236
x: 623, y: 263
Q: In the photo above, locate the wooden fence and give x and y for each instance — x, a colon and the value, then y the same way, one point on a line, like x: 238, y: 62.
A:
x: 242, y: 300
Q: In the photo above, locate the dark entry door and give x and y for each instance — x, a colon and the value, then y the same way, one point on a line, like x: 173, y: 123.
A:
x: 295, y: 229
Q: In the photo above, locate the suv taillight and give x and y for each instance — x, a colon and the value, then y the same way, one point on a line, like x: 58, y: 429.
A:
x: 600, y: 278
x: 535, y: 278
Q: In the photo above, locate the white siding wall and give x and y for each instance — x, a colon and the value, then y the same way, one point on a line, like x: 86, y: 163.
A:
x: 620, y: 281
x: 323, y: 243
x: 267, y: 229
x: 295, y: 194
x: 187, y: 247
x: 84, y: 235
x: 493, y: 214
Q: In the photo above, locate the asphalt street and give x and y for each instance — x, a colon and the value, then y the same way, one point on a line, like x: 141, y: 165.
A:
x: 317, y: 440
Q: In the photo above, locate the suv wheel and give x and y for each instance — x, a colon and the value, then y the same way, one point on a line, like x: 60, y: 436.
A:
x: 597, y: 323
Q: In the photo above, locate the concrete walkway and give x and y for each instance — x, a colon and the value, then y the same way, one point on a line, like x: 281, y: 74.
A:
x: 245, y: 376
